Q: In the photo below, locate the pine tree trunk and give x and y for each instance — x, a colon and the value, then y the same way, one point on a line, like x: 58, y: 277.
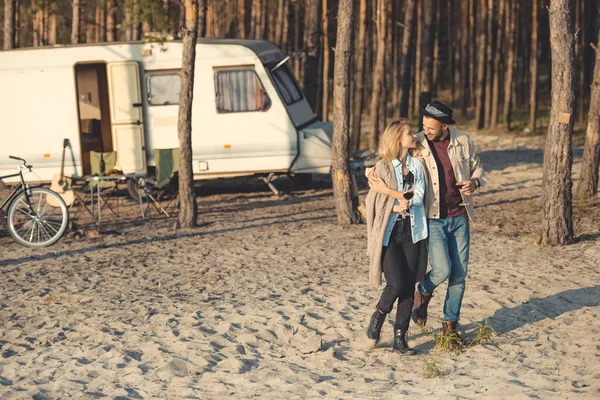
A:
x: 9, y: 24
x: 490, y: 70
x: 378, y: 75
x: 405, y: 57
x: 128, y: 21
x: 557, y: 224
x: 481, y: 44
x: 297, y: 40
x: 312, y: 39
x: 426, y: 68
x: 346, y: 200
x: 509, y: 84
x: 359, y: 76
x: 465, y: 60
x: 325, y: 103
x: 202, y: 11
x: 436, y: 47
x: 100, y: 22
x: 110, y: 21
x: 188, y: 208
x: 241, y: 19
x: 497, y: 63
x: 417, y: 68
x: 285, y: 27
x: 89, y: 12
x: 135, y: 32
x: 588, y: 185
x: 473, y: 37
x: 52, y: 31
x: 533, y: 67
x: 75, y: 24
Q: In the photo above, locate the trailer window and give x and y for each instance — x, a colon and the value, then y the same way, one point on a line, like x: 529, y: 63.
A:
x: 163, y: 89
x: 285, y: 82
x: 240, y: 91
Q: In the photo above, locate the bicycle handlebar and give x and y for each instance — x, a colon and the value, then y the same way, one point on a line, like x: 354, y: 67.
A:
x: 29, y: 167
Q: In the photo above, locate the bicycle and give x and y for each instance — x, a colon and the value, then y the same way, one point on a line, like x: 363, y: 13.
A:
x: 31, y: 220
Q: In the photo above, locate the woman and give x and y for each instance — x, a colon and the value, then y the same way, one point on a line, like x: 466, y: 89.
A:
x: 396, y: 229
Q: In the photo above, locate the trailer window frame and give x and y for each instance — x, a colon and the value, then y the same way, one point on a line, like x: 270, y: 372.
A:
x: 267, y: 103
x: 148, y: 82
x: 282, y: 88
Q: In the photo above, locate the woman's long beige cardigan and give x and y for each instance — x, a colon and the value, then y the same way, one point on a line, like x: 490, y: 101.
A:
x: 379, y: 207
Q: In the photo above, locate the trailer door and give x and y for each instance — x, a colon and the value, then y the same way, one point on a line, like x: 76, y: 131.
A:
x: 126, y: 114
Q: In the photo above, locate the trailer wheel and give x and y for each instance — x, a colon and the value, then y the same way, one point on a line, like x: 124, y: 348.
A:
x: 134, y: 191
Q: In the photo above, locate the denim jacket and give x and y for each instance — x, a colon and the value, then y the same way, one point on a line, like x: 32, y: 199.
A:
x: 418, y: 220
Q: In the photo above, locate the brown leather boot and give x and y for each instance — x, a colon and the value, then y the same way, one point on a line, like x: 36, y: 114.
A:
x: 419, y: 311
x: 451, y: 328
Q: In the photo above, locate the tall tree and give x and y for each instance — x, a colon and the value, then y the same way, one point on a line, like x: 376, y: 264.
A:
x: 312, y: 40
x: 490, y: 68
x: 111, y: 21
x: 533, y: 65
x: 346, y: 201
x: 557, y: 224
x: 588, y: 185
x: 405, y: 56
x: 427, y: 60
x: 509, y: 82
x: 359, y: 76
x: 325, y: 103
x: 201, y: 18
x: 497, y: 64
x: 481, y: 57
x: 188, y: 208
x: 378, y: 75
x: 9, y: 24
x: 75, y: 23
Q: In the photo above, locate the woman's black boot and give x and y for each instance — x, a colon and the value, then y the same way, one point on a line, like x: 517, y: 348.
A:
x: 374, y: 329
x: 400, y: 344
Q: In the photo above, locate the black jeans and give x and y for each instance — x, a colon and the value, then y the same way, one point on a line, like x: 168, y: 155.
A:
x: 400, y: 262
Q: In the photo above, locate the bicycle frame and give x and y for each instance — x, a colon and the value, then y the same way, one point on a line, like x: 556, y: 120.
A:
x: 21, y: 187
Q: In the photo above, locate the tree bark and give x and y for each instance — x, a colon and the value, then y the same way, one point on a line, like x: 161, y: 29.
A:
x: 490, y: 68
x: 100, y: 22
x: 359, y: 76
x: 9, y: 24
x: 75, y: 24
x: 346, y: 200
x: 312, y: 39
x: 405, y: 57
x: 297, y: 40
x: 325, y: 102
x: 426, y: 69
x: 241, y: 19
x: 378, y: 75
x: 497, y: 63
x: 480, y: 89
x: 509, y: 86
x: 188, y: 208
x: 588, y: 185
x: 201, y: 18
x: 52, y: 28
x: 533, y: 67
x: 416, y: 87
x: 285, y: 27
x: 557, y: 224
x: 111, y: 15
x: 465, y: 57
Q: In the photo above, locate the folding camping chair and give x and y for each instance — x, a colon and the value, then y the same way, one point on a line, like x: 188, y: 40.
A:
x: 102, y: 191
x: 167, y: 166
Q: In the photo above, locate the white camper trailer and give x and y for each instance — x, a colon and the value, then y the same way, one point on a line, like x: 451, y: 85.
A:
x: 249, y: 115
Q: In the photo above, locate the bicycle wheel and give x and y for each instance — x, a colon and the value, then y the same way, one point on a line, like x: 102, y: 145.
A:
x: 37, y: 223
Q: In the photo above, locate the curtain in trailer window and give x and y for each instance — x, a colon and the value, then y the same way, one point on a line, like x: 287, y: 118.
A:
x: 239, y: 91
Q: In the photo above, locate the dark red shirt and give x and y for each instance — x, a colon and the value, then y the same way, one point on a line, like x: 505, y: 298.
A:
x: 450, y: 197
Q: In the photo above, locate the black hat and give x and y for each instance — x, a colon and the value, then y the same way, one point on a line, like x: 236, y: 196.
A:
x: 439, y: 111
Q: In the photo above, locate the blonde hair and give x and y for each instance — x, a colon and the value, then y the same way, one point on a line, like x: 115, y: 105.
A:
x: 389, y: 143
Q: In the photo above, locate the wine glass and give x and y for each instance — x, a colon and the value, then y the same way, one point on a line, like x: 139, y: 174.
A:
x: 408, y: 193
x: 462, y: 180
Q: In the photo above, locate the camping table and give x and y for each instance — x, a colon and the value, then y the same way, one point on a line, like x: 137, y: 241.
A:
x: 114, y: 178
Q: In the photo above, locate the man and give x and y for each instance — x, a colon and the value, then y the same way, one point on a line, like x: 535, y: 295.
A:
x: 454, y: 173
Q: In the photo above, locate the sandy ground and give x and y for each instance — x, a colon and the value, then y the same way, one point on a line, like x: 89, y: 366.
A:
x: 268, y: 298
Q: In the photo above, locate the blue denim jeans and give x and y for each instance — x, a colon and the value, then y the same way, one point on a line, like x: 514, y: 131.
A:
x: 449, y: 259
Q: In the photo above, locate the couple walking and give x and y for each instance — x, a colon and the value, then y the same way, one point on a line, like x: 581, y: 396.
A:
x: 419, y: 205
